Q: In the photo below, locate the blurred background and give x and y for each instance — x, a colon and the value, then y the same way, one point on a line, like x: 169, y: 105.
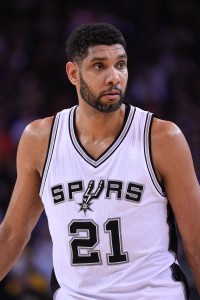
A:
x: 163, y: 47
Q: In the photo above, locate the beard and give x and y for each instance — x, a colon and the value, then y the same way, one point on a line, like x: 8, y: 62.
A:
x: 95, y: 101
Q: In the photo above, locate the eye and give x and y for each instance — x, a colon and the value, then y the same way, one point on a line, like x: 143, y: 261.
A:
x: 98, y: 66
x: 121, y: 65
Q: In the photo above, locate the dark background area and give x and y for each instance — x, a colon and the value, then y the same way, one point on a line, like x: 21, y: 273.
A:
x: 163, y: 48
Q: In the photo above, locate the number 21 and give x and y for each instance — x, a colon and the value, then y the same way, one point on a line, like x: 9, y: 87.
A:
x: 90, y: 240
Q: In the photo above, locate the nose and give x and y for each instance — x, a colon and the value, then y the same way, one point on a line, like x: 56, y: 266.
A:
x: 112, y: 77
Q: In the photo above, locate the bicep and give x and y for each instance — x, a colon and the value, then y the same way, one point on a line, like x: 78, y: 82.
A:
x: 25, y: 205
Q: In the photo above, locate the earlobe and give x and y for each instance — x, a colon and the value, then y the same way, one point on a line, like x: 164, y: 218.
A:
x: 72, y: 72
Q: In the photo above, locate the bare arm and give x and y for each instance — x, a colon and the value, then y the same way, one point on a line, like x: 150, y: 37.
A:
x: 174, y: 166
x: 25, y: 206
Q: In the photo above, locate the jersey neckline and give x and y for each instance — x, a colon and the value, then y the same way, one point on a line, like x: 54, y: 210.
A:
x: 129, y: 115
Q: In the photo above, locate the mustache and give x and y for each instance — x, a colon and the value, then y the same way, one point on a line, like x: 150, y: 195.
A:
x: 112, y: 88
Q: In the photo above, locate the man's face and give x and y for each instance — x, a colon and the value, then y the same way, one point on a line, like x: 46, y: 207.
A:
x: 103, y: 77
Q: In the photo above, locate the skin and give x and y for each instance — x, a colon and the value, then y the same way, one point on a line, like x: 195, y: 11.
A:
x: 108, y: 64
x: 103, y: 70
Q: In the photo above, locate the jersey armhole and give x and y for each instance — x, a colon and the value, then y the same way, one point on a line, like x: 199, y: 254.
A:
x: 148, y: 154
x: 52, y: 138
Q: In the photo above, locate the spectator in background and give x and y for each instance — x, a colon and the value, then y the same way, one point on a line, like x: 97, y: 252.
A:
x: 31, y: 42
x: 143, y: 258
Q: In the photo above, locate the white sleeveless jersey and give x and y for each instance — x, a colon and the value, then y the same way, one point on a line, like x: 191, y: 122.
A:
x: 109, y: 217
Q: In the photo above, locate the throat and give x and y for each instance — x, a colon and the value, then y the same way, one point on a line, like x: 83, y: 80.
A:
x: 97, y: 148
x: 96, y: 137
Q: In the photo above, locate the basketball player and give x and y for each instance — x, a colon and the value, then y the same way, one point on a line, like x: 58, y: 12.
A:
x: 111, y: 178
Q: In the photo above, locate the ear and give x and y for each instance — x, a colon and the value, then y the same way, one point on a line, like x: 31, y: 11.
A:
x: 72, y: 72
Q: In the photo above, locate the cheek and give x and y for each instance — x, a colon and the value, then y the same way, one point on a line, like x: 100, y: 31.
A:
x: 95, y: 84
x: 125, y: 80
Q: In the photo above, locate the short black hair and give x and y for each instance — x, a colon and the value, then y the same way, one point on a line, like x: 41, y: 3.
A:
x: 89, y: 35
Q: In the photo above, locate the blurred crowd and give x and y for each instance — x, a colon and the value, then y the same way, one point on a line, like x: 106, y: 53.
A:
x: 163, y: 48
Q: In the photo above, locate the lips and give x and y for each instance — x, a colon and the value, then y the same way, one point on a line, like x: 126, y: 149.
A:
x: 112, y: 93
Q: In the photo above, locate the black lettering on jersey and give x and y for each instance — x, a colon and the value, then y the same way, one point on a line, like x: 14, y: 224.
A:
x: 95, y: 194
x: 134, y: 192
x: 74, y: 187
x: 89, y: 195
x: 58, y: 193
x: 114, y: 186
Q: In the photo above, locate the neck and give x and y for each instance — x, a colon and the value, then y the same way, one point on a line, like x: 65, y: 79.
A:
x: 94, y: 126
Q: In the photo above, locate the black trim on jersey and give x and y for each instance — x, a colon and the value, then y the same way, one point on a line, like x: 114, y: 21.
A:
x: 49, y: 142
x: 48, y: 154
x: 173, y: 237
x: 178, y: 275
x: 116, y: 143
x: 148, y: 154
x: 54, y: 285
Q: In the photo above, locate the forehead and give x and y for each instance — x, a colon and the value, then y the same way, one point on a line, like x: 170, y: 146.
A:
x: 106, y: 52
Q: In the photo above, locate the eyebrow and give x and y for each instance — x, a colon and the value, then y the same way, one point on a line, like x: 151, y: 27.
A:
x: 105, y: 58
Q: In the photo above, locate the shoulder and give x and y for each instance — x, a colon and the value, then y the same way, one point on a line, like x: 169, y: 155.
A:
x: 34, y: 142
x: 169, y: 146
x: 39, y: 128
x: 167, y: 134
x: 37, y: 132
x: 164, y: 129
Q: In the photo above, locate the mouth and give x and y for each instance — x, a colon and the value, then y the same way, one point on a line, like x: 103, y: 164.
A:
x: 112, y: 93
x: 113, y: 90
